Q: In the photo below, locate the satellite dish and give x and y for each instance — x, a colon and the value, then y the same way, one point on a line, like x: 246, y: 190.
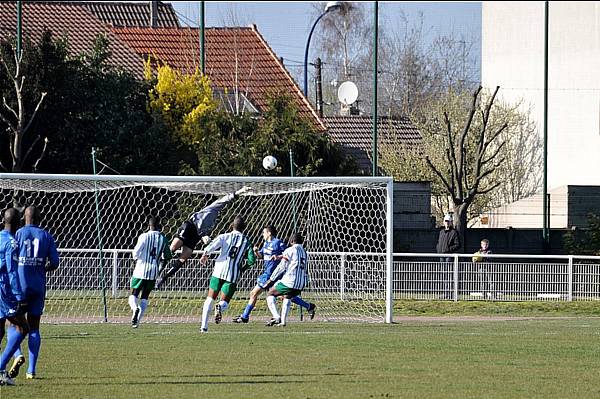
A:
x: 347, y: 93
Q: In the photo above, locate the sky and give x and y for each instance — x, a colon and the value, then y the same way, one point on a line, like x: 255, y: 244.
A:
x: 286, y: 25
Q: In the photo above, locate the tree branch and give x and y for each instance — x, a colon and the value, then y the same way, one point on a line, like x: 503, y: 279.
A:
x: 444, y: 181
x: 35, y: 165
x: 3, y: 166
x: 451, y: 167
x: 485, y: 161
x: 37, y: 107
x: 461, y: 169
x: 450, y: 152
x: 487, y: 190
x: 494, y: 136
x: 30, y: 148
x: 8, y: 107
x: 482, y: 142
x: 10, y: 125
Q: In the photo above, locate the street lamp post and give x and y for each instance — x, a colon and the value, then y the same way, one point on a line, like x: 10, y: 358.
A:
x: 331, y: 6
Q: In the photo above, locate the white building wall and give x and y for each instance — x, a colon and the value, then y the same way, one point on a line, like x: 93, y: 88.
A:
x: 513, y: 58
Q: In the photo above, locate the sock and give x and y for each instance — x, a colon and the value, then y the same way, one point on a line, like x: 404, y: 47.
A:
x: 247, y: 311
x: 175, y: 265
x: 35, y: 341
x: 13, y: 341
x: 224, y: 306
x: 301, y: 302
x: 206, y: 312
x: 13, y: 330
x: 285, y: 308
x: 133, y: 302
x: 143, y: 306
x: 272, y: 306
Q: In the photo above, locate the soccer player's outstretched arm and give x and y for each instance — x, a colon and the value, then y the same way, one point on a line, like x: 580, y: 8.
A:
x: 219, y: 204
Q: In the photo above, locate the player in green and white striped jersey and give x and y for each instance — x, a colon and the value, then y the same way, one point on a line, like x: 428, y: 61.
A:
x: 293, y: 275
x: 235, y: 256
x: 151, y: 248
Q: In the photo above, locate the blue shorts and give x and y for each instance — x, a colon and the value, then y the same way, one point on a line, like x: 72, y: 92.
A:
x: 263, y: 279
x: 35, y: 304
x: 8, y: 308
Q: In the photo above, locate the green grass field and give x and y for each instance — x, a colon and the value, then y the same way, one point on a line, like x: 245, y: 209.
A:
x: 448, y: 357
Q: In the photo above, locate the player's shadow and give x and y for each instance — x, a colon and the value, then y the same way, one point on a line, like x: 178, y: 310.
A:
x: 256, y: 375
x: 195, y: 379
x: 221, y: 376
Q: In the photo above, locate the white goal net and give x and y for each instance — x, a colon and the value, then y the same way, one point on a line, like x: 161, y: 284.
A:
x: 96, y: 220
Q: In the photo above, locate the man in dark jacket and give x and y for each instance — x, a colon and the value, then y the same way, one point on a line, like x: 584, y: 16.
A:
x: 448, y: 243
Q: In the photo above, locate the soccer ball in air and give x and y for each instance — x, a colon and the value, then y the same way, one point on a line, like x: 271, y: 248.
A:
x: 269, y: 162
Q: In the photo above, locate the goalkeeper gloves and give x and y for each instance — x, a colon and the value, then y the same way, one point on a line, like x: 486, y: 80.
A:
x: 243, y: 190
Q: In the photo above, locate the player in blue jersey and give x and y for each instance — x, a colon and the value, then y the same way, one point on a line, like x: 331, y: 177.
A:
x: 36, y: 248
x: 198, y: 227
x: 271, y: 252
x: 12, y: 297
x: 292, y: 270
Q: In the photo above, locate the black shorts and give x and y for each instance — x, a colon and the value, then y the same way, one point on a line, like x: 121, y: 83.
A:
x: 188, y: 234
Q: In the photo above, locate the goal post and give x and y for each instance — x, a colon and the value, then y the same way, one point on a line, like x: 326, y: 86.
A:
x: 346, y: 221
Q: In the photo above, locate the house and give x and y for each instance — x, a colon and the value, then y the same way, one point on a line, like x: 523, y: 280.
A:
x: 513, y: 58
x: 243, y: 68
x: 355, y: 134
x: 70, y: 20
x: 238, y: 60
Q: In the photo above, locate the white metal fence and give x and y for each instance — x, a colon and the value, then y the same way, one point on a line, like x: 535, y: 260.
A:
x: 497, y: 277
x: 346, y: 286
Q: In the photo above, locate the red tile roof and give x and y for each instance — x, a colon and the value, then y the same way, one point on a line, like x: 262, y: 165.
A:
x: 70, y: 20
x: 355, y: 135
x: 132, y: 14
x: 235, y: 57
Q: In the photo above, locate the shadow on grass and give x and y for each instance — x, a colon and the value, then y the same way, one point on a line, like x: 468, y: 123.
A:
x: 158, y: 383
x: 218, y: 376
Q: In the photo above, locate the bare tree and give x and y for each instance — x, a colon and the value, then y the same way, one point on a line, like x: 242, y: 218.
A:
x: 466, y: 174
x: 343, y: 39
x: 413, y: 67
x: 18, y: 119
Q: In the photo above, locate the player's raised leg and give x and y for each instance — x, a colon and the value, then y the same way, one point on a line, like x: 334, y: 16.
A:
x: 176, y: 264
x: 310, y: 307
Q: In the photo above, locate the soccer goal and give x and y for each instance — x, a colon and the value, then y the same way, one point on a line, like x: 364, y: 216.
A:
x: 347, y: 224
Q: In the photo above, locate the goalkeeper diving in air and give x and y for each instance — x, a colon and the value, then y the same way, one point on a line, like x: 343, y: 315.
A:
x: 198, y: 227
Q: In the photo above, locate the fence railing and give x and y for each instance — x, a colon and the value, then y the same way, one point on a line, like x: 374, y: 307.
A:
x: 346, y: 285
x: 497, y: 277
x: 416, y: 276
